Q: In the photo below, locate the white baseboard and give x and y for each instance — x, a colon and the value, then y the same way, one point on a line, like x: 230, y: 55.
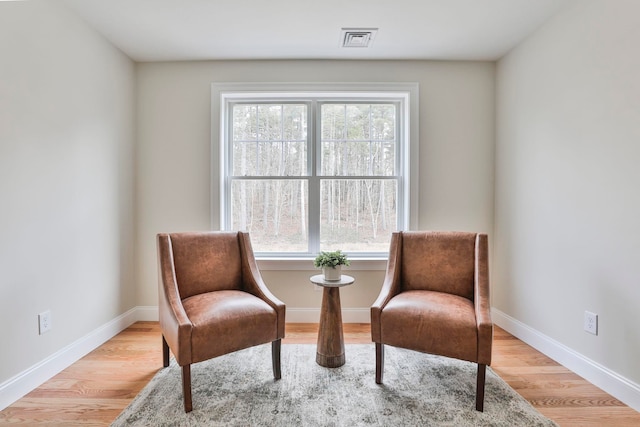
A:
x: 611, y: 382
x: 312, y: 315
x: 147, y: 313
x: 16, y: 387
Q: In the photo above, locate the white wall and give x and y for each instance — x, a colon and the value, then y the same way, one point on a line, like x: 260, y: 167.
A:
x: 567, y: 223
x: 174, y: 170
x: 66, y: 182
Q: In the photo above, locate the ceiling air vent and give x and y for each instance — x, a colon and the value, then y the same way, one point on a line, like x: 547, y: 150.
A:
x: 357, y: 37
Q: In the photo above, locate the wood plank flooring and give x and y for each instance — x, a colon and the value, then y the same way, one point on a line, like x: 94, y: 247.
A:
x: 93, y: 391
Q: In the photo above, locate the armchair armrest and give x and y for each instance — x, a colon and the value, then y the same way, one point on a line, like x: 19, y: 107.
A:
x: 482, y: 300
x: 174, y: 322
x: 390, y: 286
x: 255, y: 285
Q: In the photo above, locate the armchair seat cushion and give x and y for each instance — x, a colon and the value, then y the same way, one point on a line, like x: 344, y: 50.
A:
x: 431, y: 322
x: 226, y: 321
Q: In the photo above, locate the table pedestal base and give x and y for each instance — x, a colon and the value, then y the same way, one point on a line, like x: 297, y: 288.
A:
x: 330, y: 361
x: 330, y: 352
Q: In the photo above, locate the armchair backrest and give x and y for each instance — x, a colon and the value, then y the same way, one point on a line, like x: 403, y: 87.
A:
x: 438, y: 261
x: 205, y: 262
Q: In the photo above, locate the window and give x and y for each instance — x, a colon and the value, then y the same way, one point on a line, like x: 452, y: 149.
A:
x: 314, y: 170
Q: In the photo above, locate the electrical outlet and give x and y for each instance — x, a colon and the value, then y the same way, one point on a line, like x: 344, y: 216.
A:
x: 591, y: 322
x: 44, y: 321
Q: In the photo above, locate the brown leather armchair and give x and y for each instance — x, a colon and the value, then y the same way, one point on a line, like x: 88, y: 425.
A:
x: 435, y: 299
x: 213, y: 300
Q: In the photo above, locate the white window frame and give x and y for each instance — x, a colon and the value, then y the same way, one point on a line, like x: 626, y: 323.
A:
x: 223, y: 94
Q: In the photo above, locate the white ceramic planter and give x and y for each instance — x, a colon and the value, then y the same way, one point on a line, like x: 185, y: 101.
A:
x: 332, y: 273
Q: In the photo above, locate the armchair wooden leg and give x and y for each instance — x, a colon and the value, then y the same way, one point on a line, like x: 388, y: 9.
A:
x: 379, y: 362
x: 165, y: 352
x: 480, y: 387
x: 275, y: 358
x: 186, y: 387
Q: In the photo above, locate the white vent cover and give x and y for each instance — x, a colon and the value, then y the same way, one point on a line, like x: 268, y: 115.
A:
x: 357, y: 37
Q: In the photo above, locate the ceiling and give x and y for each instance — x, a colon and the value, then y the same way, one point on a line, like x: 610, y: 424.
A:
x: 178, y: 30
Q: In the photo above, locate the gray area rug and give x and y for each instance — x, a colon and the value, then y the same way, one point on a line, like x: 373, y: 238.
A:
x: 239, y: 390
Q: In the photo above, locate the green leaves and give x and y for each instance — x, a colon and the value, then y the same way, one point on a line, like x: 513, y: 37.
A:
x: 331, y: 259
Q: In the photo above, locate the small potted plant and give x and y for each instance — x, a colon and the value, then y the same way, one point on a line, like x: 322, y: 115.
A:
x: 331, y: 263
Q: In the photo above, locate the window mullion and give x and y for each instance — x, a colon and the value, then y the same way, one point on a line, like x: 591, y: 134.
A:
x: 315, y: 152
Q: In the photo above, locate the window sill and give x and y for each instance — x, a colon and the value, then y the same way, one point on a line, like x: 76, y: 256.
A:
x: 306, y: 264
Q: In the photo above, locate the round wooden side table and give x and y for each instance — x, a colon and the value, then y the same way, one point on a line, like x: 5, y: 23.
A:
x: 330, y: 352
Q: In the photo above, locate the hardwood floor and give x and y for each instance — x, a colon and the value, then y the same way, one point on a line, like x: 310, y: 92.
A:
x: 93, y: 391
